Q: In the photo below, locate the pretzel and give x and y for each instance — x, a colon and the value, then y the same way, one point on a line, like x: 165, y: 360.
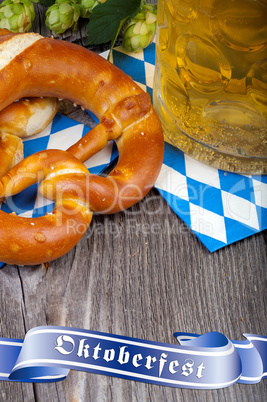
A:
x: 11, y: 152
x: 21, y: 119
x: 33, y: 241
x: 54, y: 68
x: 28, y: 116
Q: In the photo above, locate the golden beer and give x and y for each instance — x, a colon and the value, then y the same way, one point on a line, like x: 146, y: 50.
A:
x: 210, y: 87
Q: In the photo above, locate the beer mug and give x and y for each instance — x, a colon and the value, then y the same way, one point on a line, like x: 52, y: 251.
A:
x: 210, y: 84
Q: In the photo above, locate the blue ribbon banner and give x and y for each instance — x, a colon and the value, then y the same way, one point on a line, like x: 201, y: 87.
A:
x: 200, y: 361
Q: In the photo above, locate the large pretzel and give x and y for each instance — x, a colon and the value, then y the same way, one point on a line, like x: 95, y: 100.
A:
x: 27, y: 241
x: 23, y: 118
x: 28, y: 116
x: 54, y: 68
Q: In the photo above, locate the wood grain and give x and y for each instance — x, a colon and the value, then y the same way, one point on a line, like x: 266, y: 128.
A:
x: 141, y: 273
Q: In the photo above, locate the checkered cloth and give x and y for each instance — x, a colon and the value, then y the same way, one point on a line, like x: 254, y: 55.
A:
x: 219, y: 207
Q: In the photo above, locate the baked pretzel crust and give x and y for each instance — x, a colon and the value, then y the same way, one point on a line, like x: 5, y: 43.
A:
x: 28, y: 116
x: 54, y: 68
x: 11, y: 152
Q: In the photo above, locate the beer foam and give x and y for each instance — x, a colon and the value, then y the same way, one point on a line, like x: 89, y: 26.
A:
x: 14, y: 46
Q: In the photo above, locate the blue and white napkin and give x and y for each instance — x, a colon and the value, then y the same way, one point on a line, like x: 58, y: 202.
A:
x: 219, y: 207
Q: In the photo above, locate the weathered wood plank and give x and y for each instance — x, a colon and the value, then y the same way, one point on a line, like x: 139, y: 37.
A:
x: 147, y: 283
x: 134, y: 274
x: 12, y: 325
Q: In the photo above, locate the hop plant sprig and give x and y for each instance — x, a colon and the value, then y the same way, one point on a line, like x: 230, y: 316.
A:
x: 140, y: 30
x: 17, y: 15
x: 62, y: 15
x: 87, y: 6
x: 108, y: 20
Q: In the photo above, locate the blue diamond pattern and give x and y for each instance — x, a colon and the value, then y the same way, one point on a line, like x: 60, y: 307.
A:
x: 133, y: 67
x: 239, y: 185
x: 205, y: 196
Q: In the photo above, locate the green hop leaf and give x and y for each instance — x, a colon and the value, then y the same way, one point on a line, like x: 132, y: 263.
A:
x: 108, y: 18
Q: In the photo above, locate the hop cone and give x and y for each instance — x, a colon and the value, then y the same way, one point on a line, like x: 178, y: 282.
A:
x: 140, y: 30
x: 87, y: 6
x: 16, y: 15
x: 62, y: 15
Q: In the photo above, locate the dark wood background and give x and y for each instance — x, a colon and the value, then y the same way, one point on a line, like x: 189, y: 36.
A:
x: 140, y: 273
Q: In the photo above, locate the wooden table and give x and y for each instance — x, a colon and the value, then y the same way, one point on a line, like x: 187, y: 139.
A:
x: 140, y: 273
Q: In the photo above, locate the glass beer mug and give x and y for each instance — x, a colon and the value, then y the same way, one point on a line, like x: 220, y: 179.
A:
x: 210, y: 88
